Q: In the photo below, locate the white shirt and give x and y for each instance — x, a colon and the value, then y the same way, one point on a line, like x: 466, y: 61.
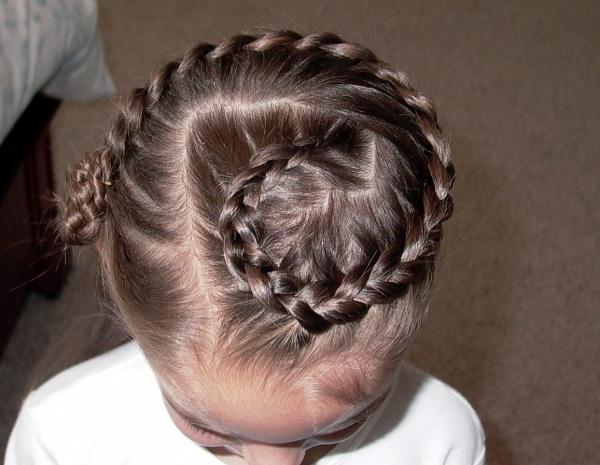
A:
x: 108, y: 410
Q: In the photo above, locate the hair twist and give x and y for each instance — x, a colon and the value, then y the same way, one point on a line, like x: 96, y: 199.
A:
x: 85, y: 205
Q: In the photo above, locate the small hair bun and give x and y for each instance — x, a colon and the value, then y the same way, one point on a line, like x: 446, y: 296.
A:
x: 84, y: 207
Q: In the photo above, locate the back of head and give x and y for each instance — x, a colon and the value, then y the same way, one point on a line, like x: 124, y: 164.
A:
x: 273, y: 202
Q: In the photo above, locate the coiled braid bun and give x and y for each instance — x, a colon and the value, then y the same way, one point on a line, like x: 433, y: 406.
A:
x: 84, y: 208
x: 377, y: 144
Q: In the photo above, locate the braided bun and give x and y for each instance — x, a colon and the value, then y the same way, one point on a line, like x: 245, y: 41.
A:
x: 84, y: 208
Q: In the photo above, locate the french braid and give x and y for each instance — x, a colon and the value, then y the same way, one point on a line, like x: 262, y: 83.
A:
x: 365, y: 285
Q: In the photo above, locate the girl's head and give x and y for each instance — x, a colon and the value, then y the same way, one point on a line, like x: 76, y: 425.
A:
x: 267, y: 212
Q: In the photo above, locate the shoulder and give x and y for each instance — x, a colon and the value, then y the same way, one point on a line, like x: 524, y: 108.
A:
x: 72, y: 409
x: 105, y: 410
x: 436, y: 400
x: 428, y: 421
x: 87, y: 378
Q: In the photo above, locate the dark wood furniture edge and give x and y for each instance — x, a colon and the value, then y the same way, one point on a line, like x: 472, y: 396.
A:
x: 26, y: 151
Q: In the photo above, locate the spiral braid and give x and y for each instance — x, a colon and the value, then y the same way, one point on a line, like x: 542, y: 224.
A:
x: 316, y: 305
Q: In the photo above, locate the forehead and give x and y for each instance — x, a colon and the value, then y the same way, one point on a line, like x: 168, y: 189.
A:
x: 248, y: 407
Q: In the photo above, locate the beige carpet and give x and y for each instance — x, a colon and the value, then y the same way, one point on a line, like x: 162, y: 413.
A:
x: 514, y: 325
